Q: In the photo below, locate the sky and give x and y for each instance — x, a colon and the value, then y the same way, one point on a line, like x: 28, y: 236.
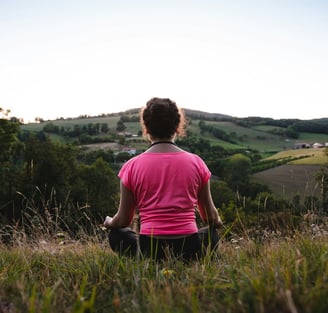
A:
x: 67, y: 58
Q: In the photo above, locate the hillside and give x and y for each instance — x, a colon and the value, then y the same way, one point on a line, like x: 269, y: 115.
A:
x: 311, y: 156
x: 298, y: 176
x: 267, y: 136
x: 290, y: 180
x: 271, y: 139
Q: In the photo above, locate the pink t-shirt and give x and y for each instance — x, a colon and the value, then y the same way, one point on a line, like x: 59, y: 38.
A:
x: 166, y: 188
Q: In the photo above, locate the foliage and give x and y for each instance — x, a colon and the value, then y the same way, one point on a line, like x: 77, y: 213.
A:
x: 120, y: 126
x: 69, y: 174
x: 10, y: 148
x: 216, y: 132
x: 96, y: 186
x: 254, y: 270
x: 237, y: 171
x: 52, y: 170
x: 54, y: 255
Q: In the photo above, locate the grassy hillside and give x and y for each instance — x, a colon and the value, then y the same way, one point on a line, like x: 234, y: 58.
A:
x: 297, y: 177
x: 263, y: 135
x: 275, y: 271
x: 290, y: 180
x: 313, y: 156
x: 264, y: 138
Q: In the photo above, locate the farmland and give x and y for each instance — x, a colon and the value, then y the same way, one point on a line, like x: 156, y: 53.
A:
x: 295, y: 178
x: 258, y: 137
x: 289, y: 180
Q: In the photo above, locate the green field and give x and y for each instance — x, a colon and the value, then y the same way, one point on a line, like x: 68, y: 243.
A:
x: 69, y: 123
x: 313, y: 156
x: 295, y: 178
x: 257, y: 137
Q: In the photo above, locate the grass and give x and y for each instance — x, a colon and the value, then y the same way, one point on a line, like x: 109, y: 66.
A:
x: 271, y: 273
x: 313, y: 156
x: 289, y: 180
x: 297, y: 177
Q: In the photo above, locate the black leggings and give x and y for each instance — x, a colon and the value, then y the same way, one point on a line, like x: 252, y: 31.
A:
x: 191, y: 247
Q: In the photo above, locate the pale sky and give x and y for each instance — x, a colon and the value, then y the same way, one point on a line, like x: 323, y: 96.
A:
x: 65, y: 58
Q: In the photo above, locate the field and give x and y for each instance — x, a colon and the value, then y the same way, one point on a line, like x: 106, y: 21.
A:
x: 297, y: 178
x: 313, y: 156
x: 257, y: 137
x: 289, y: 180
x: 271, y: 273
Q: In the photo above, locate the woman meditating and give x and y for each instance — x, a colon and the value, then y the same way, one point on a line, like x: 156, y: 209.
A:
x: 166, y: 185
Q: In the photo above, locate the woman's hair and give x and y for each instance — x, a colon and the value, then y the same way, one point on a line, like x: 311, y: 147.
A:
x: 161, y: 119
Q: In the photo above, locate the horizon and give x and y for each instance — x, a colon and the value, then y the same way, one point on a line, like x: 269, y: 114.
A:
x: 104, y: 115
x: 64, y: 59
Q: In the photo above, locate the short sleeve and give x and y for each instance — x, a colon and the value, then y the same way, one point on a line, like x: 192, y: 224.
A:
x: 204, y: 170
x: 125, y: 174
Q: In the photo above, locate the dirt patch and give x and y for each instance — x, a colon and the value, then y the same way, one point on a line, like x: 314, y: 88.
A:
x: 104, y: 146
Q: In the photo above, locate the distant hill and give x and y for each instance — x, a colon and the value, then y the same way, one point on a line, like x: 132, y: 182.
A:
x: 270, y: 138
x: 266, y: 135
x: 200, y: 115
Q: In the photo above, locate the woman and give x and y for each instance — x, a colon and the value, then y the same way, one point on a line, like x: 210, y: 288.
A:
x: 166, y: 185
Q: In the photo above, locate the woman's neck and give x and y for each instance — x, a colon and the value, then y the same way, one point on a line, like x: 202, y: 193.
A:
x: 157, y: 142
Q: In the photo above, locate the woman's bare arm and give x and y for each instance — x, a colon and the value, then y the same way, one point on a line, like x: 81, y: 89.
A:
x: 206, y: 207
x: 125, y: 212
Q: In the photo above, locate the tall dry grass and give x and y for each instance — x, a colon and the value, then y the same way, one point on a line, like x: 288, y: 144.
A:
x: 43, y: 269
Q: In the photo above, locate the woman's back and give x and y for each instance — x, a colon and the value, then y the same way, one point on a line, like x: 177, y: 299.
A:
x: 166, y: 187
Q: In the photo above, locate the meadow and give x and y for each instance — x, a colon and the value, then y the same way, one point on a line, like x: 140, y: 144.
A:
x: 285, y: 270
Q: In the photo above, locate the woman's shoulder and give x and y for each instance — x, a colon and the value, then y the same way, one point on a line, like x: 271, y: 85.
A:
x: 149, y: 155
x: 192, y: 155
x: 136, y: 159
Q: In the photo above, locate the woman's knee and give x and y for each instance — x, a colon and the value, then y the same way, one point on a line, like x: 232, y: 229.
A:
x: 123, y: 241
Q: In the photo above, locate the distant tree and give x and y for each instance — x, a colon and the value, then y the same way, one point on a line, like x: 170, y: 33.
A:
x: 49, y: 166
x: 222, y: 194
x: 291, y: 132
x: 120, y: 126
x: 122, y: 157
x: 96, y: 186
x: 121, y: 140
x: 90, y: 156
x: 8, y: 138
x: 237, y: 171
x: 104, y: 128
x: 51, y: 128
x: 10, y: 149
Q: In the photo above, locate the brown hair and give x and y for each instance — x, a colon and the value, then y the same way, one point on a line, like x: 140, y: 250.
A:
x: 161, y: 119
